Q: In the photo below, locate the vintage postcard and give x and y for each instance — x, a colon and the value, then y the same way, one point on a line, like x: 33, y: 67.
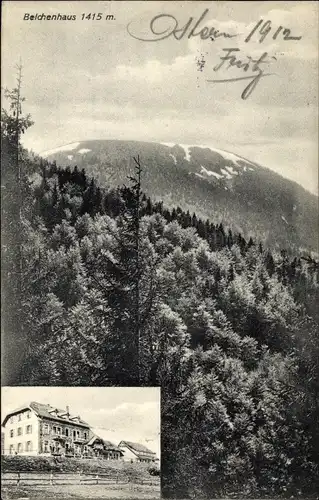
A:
x: 159, y: 197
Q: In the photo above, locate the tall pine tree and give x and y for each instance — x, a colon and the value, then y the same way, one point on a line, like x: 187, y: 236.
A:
x: 14, y: 194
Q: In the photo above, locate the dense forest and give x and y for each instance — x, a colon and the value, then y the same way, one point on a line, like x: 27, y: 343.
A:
x: 103, y: 286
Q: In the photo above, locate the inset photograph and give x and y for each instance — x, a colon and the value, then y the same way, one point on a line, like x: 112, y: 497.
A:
x: 80, y: 443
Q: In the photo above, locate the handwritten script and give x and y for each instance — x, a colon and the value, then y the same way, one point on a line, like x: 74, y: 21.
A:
x: 163, y: 26
x: 250, y: 64
x: 166, y: 25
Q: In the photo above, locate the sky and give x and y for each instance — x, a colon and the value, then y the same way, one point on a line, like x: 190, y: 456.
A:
x: 114, y: 413
x: 96, y: 79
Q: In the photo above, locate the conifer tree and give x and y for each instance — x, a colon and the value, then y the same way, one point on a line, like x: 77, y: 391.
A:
x: 134, y: 226
x: 14, y: 192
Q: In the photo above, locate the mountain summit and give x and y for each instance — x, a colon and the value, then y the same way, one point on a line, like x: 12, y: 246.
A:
x: 215, y: 184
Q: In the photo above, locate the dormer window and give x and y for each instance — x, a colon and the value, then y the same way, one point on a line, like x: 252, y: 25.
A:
x: 54, y: 410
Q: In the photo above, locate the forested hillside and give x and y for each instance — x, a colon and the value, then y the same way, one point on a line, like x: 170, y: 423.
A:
x: 216, y: 184
x: 115, y: 289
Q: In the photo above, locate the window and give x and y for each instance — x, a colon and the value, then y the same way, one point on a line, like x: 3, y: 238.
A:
x: 12, y: 433
x: 29, y: 429
x: 74, y: 434
x: 46, y: 429
x: 67, y: 432
x: 77, y: 434
x: 11, y: 420
x: 28, y: 446
x: 59, y: 430
x: 19, y: 417
x: 85, y: 435
x: 19, y: 447
x: 28, y: 414
x: 11, y: 449
x: 46, y: 447
x: 54, y: 429
x: 19, y: 431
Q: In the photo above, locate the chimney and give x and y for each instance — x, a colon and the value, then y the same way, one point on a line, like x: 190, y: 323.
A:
x: 68, y: 411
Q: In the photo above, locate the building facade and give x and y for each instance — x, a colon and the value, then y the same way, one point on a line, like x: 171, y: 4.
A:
x: 39, y: 429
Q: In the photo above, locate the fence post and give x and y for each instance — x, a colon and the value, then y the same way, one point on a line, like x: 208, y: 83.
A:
x: 18, y: 479
x: 51, y: 479
x: 97, y: 479
x: 80, y: 477
x: 130, y: 482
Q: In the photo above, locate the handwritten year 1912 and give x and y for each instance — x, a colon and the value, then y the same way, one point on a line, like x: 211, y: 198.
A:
x: 266, y: 27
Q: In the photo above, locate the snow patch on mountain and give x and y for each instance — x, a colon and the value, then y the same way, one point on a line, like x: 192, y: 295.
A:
x: 174, y: 158
x: 83, y: 151
x: 226, y: 174
x: 231, y: 171
x: 187, y: 151
x: 209, y: 172
x: 61, y: 149
x: 229, y: 156
x: 225, y: 154
x: 285, y: 220
x: 183, y: 146
x: 169, y: 144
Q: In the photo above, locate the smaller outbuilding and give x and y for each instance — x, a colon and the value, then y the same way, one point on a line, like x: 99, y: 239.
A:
x: 135, y: 452
x: 100, y: 448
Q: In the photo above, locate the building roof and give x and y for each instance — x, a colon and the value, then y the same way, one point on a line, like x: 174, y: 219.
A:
x: 139, y: 449
x: 49, y: 412
x: 107, y: 444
